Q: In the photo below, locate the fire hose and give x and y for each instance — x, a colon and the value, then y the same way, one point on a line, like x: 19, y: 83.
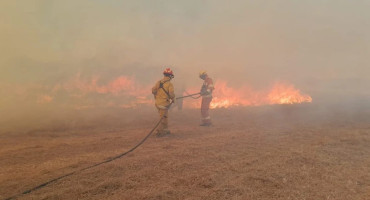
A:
x: 191, y: 95
x: 100, y: 163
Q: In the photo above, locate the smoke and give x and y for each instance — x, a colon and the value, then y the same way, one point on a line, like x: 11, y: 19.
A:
x: 62, y: 56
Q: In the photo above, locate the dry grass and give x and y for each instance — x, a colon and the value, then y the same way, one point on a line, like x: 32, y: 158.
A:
x: 282, y: 152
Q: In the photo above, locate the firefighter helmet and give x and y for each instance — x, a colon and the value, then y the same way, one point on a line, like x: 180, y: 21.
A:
x: 202, y: 74
x: 168, y: 72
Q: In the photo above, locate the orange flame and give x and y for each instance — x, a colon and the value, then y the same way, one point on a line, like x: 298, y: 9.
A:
x: 121, y: 85
x: 126, y: 88
x: 287, y: 94
x: 134, y: 94
x: 225, y: 96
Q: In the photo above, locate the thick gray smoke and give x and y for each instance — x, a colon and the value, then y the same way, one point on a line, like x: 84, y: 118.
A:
x: 64, y: 56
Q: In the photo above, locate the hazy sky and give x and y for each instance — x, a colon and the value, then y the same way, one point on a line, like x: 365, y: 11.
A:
x: 320, y: 46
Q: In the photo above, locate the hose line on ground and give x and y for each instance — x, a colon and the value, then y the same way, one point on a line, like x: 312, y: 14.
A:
x: 97, y: 164
x: 89, y: 167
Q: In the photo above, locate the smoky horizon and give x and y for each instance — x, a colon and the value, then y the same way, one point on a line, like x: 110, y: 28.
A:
x: 72, y: 56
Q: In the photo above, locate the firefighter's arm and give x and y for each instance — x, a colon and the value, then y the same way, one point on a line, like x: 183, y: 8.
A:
x: 210, y: 87
x: 171, y: 91
x: 155, y: 89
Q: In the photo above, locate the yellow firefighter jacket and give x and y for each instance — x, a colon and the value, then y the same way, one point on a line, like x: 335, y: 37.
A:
x: 163, y: 92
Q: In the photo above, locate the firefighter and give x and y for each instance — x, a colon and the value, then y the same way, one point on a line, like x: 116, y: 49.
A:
x: 164, y: 95
x: 206, y: 92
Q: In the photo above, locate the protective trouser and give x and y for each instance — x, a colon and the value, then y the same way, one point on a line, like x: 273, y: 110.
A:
x: 204, y: 109
x: 163, y: 113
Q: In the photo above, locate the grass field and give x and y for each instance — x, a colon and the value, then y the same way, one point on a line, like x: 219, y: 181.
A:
x: 273, y: 152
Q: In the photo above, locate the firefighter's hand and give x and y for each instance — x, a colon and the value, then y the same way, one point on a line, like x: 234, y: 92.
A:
x: 204, y: 93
